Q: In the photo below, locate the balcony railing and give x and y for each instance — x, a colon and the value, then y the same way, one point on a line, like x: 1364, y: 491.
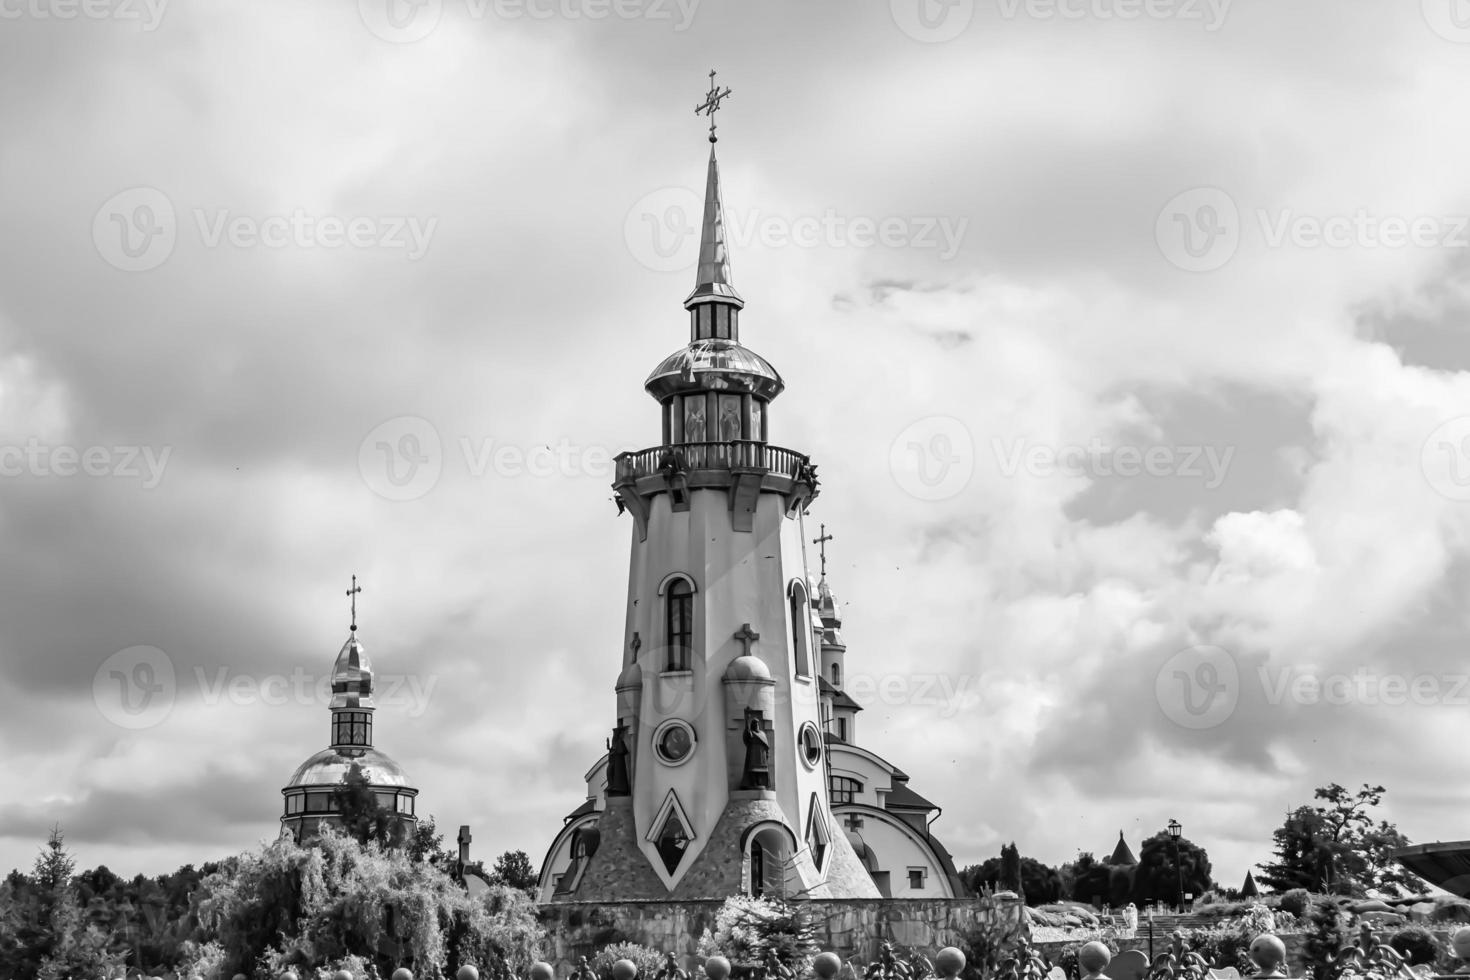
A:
x: 737, y: 454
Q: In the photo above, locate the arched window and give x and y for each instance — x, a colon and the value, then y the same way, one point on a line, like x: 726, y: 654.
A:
x: 836, y: 674
x: 841, y: 789
x: 680, y: 623
x: 801, y: 630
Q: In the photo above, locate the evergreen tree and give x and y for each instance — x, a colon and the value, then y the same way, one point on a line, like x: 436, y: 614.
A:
x: 364, y: 819
x: 1158, y: 877
x: 513, y: 869
x: 1335, y: 847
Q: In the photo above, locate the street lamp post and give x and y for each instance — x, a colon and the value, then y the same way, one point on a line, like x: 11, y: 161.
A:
x: 1175, y: 830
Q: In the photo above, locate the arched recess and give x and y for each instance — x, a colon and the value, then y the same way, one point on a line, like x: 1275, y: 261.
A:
x: 801, y: 627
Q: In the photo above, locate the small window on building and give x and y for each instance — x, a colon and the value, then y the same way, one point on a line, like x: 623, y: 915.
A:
x: 801, y: 630
x: 916, y: 878
x: 842, y: 729
x: 844, y: 790
x: 680, y: 625
x: 837, y: 674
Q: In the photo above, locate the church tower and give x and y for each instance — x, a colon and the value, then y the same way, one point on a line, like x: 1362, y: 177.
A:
x: 715, y: 778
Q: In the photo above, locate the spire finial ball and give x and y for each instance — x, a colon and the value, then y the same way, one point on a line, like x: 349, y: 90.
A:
x: 1094, y: 957
x: 402, y: 973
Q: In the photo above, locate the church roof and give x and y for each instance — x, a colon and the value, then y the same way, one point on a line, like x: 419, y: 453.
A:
x: 712, y: 280
x: 900, y: 797
x: 329, y: 767
x: 352, y: 676
x: 839, y: 697
x: 1122, y: 856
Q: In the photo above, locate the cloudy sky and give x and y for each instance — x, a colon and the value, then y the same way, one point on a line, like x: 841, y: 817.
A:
x: 1130, y: 340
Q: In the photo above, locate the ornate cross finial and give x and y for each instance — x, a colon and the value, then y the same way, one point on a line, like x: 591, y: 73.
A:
x: 637, y: 644
x: 822, y: 543
x: 352, y: 594
x: 747, y: 636
x: 711, y: 105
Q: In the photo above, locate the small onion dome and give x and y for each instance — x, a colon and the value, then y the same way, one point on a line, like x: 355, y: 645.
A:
x: 722, y: 365
x: 329, y: 767
x: 632, y: 676
x: 352, y: 676
x: 748, y: 668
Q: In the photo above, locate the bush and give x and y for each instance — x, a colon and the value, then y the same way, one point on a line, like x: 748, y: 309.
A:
x: 1221, y: 947
x: 649, y: 961
x: 1417, y: 945
x: 1298, y: 902
x: 746, y: 929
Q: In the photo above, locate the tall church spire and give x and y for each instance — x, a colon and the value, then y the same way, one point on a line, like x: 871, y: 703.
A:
x: 712, y: 281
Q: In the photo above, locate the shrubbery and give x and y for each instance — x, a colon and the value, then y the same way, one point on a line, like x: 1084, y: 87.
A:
x: 747, y: 928
x: 648, y: 960
x: 1297, y: 901
x: 1417, y: 945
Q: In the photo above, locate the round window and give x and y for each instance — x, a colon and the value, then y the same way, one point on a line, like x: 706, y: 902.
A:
x: 674, y: 742
x: 811, y: 745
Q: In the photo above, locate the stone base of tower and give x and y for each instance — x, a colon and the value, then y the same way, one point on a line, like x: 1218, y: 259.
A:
x: 619, y: 870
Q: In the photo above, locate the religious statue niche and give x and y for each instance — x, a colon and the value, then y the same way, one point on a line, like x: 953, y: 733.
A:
x: 694, y: 418
x: 755, y: 418
x: 617, y: 764
x: 757, y: 774
x: 729, y: 418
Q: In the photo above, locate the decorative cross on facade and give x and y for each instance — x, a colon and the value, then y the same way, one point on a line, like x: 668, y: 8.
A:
x: 711, y: 105
x: 852, y: 822
x: 821, y: 542
x: 747, y: 636
x: 352, y: 594
x: 637, y: 644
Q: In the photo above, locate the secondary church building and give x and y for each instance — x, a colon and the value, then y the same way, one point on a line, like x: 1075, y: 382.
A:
x: 733, y: 766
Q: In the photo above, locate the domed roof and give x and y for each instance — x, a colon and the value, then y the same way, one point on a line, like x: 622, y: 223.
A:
x: 352, y: 676
x: 747, y: 668
x: 714, y: 364
x: 632, y: 676
x: 329, y: 767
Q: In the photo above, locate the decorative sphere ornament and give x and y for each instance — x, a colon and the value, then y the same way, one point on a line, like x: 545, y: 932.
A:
x: 948, y: 962
x: 403, y: 973
x: 1269, y: 953
x: 289, y: 975
x: 624, y: 970
x: 717, y: 968
x: 542, y: 970
x: 826, y: 965
x: 1460, y: 943
x: 467, y: 972
x: 342, y: 975
x: 1094, y: 957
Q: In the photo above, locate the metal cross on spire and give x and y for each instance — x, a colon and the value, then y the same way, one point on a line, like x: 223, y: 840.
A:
x: 711, y: 105
x: 352, y: 594
x: 821, y: 542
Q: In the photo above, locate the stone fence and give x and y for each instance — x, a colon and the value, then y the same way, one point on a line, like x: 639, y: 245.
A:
x: 852, y: 928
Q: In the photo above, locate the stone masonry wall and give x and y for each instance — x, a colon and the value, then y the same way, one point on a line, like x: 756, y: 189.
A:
x: 852, y: 928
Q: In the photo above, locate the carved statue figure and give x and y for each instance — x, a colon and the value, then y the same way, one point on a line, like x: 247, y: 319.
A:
x: 617, y: 764
x: 757, y: 773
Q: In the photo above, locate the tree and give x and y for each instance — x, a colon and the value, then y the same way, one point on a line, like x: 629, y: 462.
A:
x: 1335, y: 847
x: 427, y: 844
x: 1157, y: 877
x: 513, y: 869
x: 1010, y: 869
x: 364, y: 819
x: 1040, y: 884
